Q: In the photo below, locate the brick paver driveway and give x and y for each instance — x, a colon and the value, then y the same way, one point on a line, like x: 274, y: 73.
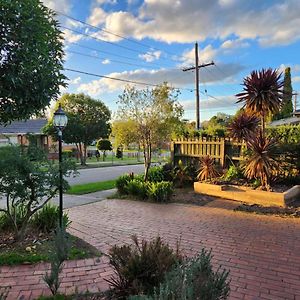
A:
x: 262, y: 252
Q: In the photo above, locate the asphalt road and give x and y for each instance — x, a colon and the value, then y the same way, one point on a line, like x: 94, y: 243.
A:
x: 104, y: 173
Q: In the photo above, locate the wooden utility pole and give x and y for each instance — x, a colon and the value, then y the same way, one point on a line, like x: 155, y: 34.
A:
x: 197, y: 89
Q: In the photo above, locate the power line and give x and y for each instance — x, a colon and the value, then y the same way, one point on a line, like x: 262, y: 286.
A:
x: 113, y: 54
x: 101, y: 40
x: 101, y: 58
x: 120, y: 79
x: 114, y: 34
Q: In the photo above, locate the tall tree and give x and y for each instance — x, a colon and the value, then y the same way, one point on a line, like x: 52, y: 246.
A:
x: 87, y: 121
x: 104, y: 145
x: 31, y: 60
x: 155, y: 114
x: 262, y: 94
x: 287, y: 101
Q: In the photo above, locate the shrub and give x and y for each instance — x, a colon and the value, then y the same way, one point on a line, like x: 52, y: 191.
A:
x: 137, y: 188
x: 155, y: 174
x: 6, y: 223
x: 160, y: 191
x: 207, y: 169
x: 168, y: 172
x: 182, y: 174
x: 140, y: 267
x: 46, y: 220
x: 193, y: 279
x: 121, y: 183
x: 233, y: 173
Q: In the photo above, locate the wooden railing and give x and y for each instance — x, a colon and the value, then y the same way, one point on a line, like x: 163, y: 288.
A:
x: 221, y: 149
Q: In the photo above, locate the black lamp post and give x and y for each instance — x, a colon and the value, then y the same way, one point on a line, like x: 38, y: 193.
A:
x: 60, y: 121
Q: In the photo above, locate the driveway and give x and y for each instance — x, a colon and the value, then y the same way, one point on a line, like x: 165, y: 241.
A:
x: 104, y: 173
x: 261, y: 252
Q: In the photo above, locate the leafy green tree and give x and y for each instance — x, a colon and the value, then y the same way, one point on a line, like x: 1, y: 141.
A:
x: 87, y: 121
x: 119, y: 153
x: 155, y: 113
x: 28, y: 181
x: 104, y: 145
x: 287, y: 101
x: 31, y: 59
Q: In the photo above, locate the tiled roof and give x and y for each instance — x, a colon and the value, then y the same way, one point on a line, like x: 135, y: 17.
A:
x: 22, y: 127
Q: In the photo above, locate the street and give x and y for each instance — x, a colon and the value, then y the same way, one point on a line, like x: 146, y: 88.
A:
x: 104, y: 173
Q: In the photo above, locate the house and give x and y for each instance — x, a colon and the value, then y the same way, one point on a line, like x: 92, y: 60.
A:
x: 17, y: 133
x: 294, y: 120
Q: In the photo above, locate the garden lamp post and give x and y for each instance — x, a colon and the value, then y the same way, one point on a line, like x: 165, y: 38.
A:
x: 60, y: 121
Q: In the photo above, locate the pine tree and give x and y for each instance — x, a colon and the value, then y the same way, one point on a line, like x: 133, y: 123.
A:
x: 287, y: 103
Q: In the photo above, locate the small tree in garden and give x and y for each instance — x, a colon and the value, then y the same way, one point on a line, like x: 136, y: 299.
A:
x: 154, y: 114
x: 260, y: 160
x: 243, y: 126
x: 31, y: 60
x: 87, y: 121
x: 119, y: 153
x: 262, y: 94
x: 207, y: 169
x: 104, y: 145
x: 28, y: 181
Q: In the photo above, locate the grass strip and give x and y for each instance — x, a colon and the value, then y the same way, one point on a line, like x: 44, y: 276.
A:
x: 81, y: 189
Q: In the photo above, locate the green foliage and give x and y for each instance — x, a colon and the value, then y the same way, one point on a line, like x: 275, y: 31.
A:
x: 15, y: 258
x: 287, y: 104
x: 233, y: 173
x: 193, y: 279
x: 155, y: 114
x: 28, y: 180
x: 140, y: 267
x: 31, y: 68
x: 285, y: 134
x: 104, y: 145
x: 121, y: 183
x: 59, y: 254
x: 46, y: 219
x: 160, y: 191
x: 183, y: 174
x: 168, y: 172
x: 137, y: 188
x: 88, y: 120
x: 156, y: 174
x: 6, y: 223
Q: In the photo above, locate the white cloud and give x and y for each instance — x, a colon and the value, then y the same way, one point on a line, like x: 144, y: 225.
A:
x: 271, y: 23
x: 206, y: 54
x: 150, y: 56
x: 296, y: 79
x: 75, y: 81
x: 97, y: 16
x: 212, y: 103
x: 175, y: 77
x: 106, y: 61
x: 234, y: 44
x: 71, y: 37
x: 63, y: 6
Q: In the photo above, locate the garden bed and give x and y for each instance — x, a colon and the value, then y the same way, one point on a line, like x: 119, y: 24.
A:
x: 249, y: 195
x: 36, y: 247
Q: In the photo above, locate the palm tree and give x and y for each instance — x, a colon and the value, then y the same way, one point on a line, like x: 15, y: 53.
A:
x: 243, y: 126
x: 207, y: 169
x: 262, y: 93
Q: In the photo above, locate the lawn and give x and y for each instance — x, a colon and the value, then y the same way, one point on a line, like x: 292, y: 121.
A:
x: 92, y: 187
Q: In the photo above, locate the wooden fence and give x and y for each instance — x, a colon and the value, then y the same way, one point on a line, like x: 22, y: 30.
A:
x: 222, y: 150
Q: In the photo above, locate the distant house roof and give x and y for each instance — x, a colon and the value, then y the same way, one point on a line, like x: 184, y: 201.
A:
x: 287, y: 121
x: 22, y: 127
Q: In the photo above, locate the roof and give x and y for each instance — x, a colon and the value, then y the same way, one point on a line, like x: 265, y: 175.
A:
x: 23, y: 127
x: 287, y: 121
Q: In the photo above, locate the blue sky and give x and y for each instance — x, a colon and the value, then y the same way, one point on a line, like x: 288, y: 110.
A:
x: 238, y: 35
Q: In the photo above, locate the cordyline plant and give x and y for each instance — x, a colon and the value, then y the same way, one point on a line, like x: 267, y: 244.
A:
x: 261, y: 160
x: 243, y: 126
x: 28, y: 181
x: 207, y: 169
x: 262, y: 94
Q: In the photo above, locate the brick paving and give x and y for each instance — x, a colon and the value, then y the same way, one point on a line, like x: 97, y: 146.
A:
x: 262, y: 252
